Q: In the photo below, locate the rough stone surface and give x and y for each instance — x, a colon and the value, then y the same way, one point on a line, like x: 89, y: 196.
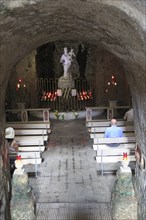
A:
x: 117, y: 26
x: 124, y: 203
x: 22, y: 202
x: 141, y: 191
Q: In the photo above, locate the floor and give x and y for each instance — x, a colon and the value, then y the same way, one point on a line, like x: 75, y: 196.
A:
x: 68, y: 186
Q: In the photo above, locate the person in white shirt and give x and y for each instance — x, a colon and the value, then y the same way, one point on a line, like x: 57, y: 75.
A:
x: 129, y: 115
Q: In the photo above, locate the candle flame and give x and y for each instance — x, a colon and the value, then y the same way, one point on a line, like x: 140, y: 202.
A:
x: 125, y: 156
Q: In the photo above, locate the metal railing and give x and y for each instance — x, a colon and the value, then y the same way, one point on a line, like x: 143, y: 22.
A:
x: 69, y: 98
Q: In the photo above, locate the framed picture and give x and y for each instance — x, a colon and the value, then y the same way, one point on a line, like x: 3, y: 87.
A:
x: 110, y: 113
x: 73, y: 92
x: 59, y: 92
x: 24, y: 116
x: 46, y: 116
x: 88, y: 114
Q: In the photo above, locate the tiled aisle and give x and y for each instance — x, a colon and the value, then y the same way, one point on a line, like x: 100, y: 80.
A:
x: 68, y: 186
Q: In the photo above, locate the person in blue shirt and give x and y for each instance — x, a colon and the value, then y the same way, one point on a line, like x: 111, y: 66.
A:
x: 113, y: 131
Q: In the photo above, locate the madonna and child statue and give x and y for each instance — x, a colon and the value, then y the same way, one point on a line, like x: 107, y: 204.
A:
x: 66, y: 81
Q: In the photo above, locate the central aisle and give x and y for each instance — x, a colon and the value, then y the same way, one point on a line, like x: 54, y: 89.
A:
x: 68, y: 181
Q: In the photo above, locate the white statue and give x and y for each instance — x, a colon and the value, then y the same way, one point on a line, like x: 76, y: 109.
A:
x: 66, y: 59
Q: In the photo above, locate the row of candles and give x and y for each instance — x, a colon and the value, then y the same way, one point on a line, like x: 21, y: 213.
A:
x: 52, y: 96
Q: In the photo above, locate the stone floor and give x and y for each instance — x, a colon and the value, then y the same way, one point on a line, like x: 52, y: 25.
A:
x: 68, y: 185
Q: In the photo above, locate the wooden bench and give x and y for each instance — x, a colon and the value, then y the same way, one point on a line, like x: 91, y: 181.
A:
x: 105, y: 141
x: 20, y: 132
x: 28, y: 157
x: 34, y: 138
x: 99, y: 131
x: 102, y: 129
x: 31, y: 148
x: 31, y: 154
x: 108, y: 154
x: 97, y: 123
x: 22, y: 142
x: 34, y: 161
x: 99, y: 135
x: 30, y: 138
x: 29, y: 125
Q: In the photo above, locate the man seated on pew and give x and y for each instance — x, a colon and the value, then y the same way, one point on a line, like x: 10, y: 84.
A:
x: 113, y: 132
x: 129, y: 115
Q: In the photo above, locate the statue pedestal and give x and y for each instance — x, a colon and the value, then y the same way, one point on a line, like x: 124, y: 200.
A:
x: 124, y: 203
x: 22, y: 204
x: 66, y: 82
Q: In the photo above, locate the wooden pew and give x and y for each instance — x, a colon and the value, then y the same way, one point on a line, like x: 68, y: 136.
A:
x: 29, y: 125
x: 20, y: 132
x: 102, y: 129
x: 31, y: 148
x: 34, y: 138
x: 108, y: 154
x: 105, y: 141
x: 96, y: 123
x: 30, y: 137
x: 34, y: 161
x: 98, y: 135
x: 28, y: 157
x: 34, y: 141
x: 30, y: 154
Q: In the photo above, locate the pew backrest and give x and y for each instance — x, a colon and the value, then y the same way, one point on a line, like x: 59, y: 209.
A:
x: 120, y: 140
x: 95, y: 123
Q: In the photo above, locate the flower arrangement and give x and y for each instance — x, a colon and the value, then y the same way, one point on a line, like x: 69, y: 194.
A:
x: 76, y: 115
x: 62, y: 116
x: 57, y: 114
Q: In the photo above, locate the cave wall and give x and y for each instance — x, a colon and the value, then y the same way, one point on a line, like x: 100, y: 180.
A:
x: 117, y: 26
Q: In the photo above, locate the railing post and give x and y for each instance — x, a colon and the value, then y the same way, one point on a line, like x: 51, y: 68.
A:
x: 36, y: 168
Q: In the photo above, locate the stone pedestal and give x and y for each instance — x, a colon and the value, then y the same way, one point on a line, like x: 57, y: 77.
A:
x: 22, y: 201
x: 66, y: 82
x: 124, y: 204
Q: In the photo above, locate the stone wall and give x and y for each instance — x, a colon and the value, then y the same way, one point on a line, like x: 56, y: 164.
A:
x: 107, y: 66
x: 140, y: 188
x: 5, y: 186
x: 24, y: 75
x: 118, y: 26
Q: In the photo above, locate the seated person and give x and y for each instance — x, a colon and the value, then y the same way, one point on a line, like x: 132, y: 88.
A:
x: 129, y: 115
x: 13, y: 146
x: 113, y: 132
